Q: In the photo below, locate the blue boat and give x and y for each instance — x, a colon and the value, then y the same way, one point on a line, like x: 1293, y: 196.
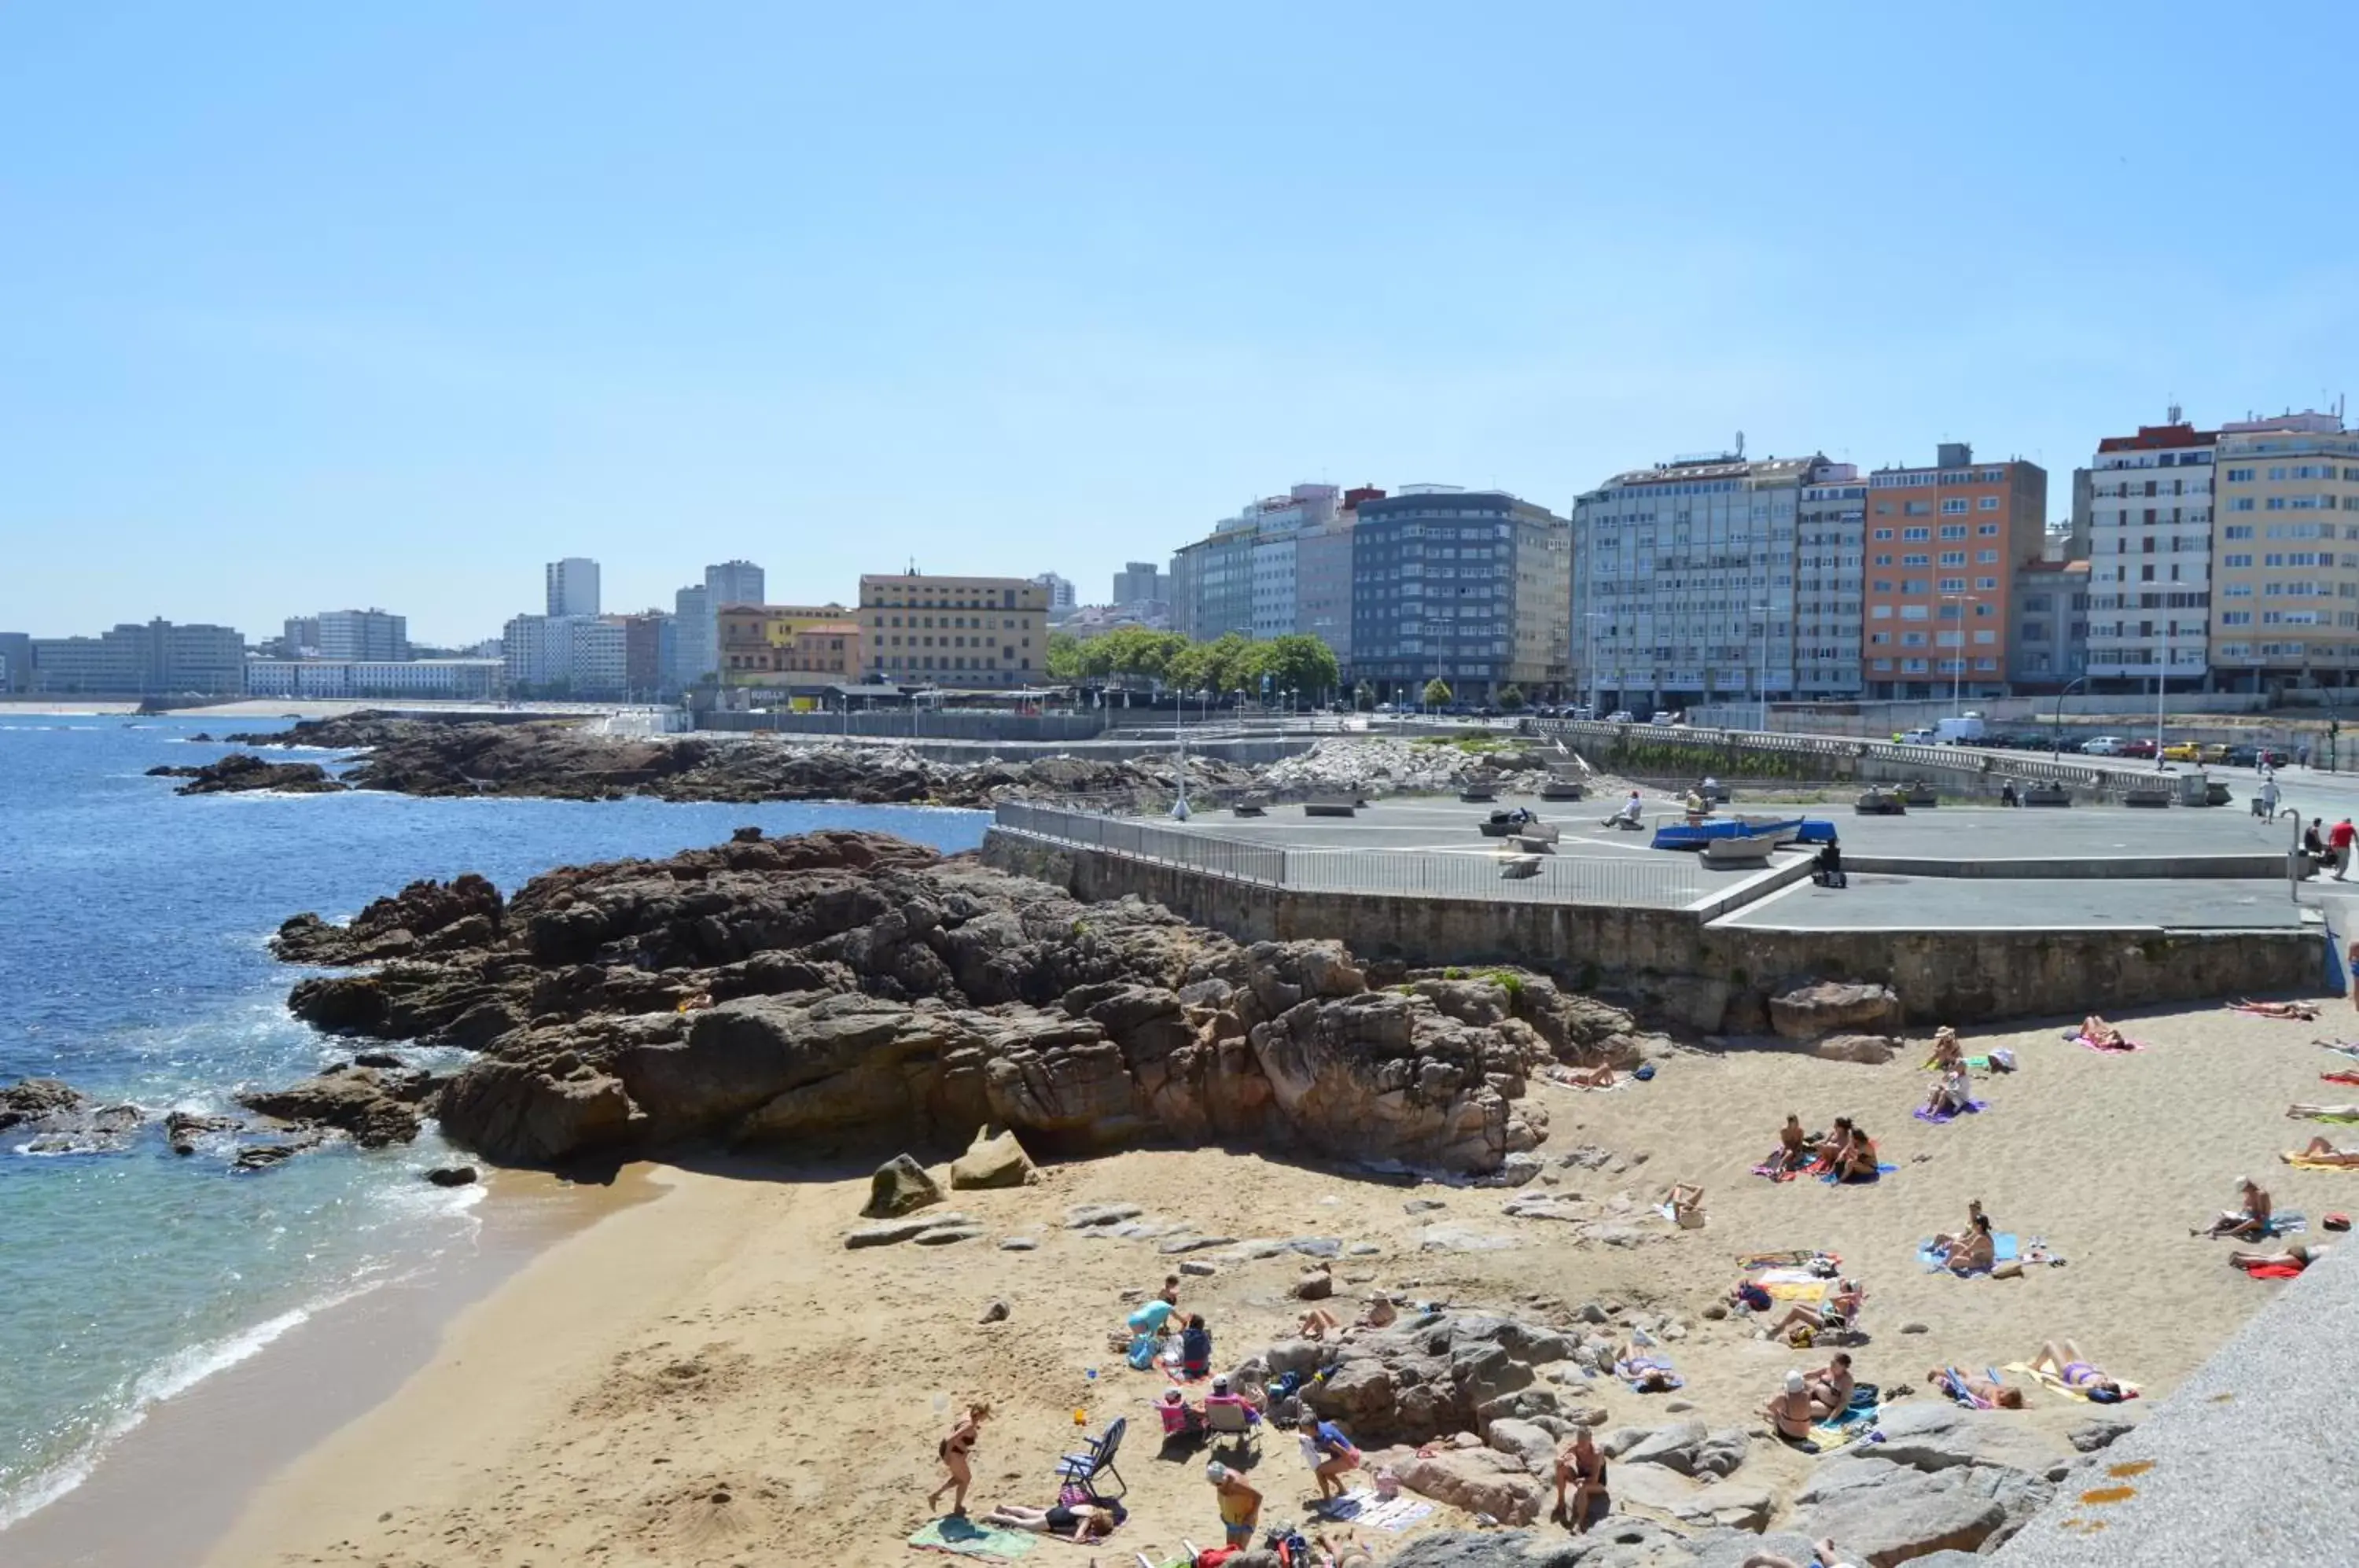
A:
x: 1785, y: 829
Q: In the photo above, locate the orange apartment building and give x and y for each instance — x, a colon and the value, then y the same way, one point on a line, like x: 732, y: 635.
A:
x: 1942, y: 550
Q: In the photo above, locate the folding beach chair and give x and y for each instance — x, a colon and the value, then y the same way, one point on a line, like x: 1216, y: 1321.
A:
x: 1083, y: 1469
x: 1225, y: 1418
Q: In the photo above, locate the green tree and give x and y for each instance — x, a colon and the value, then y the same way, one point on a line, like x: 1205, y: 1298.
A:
x: 1364, y: 697
x: 1437, y: 692
x: 1064, y: 657
x: 1511, y: 698
x: 1296, y: 662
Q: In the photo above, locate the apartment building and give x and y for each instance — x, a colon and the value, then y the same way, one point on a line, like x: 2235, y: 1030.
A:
x: 1242, y: 577
x: 980, y: 633
x: 696, y: 610
x: 571, y: 586
x: 367, y: 635
x: 1323, y: 575
x: 2048, y: 638
x: 1684, y: 580
x: 2285, y: 566
x: 15, y: 661
x: 133, y: 660
x: 1942, y: 546
x: 442, y: 679
x: 1830, y: 536
x: 762, y: 643
x: 1138, y: 582
x: 1471, y: 587
x: 571, y: 655
x: 2149, y: 535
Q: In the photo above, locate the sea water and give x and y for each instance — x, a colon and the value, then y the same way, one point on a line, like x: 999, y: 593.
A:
x: 134, y: 965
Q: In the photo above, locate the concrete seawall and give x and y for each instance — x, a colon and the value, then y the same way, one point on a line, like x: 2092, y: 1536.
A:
x: 1711, y: 977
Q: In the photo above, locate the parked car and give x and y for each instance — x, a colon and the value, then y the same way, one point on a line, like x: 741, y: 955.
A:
x: 2105, y: 746
x: 2242, y: 757
x: 2183, y: 751
x: 2139, y: 748
x: 1664, y: 719
x: 1914, y: 737
x: 2070, y: 743
x: 2272, y: 756
x: 1620, y: 716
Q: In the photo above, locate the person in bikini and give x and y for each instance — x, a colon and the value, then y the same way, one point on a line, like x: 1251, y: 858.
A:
x: 1792, y: 1413
x: 2296, y: 1257
x: 1839, y: 1312
x: 1077, y: 1523
x: 1983, y: 1392
x: 1856, y: 1162
x: 1831, y: 1386
x: 2304, y: 1012
x: 2098, y: 1032
x: 1795, y: 1150
x: 1947, y: 1051
x: 1974, y: 1219
x: 1978, y: 1249
x: 2064, y: 1358
x: 953, y: 1452
x: 1581, y: 1467
x: 2320, y: 1153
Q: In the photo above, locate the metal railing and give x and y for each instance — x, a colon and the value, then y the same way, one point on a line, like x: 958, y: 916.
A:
x: 1670, y: 882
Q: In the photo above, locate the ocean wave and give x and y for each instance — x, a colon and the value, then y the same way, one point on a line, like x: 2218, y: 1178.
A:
x: 174, y: 1376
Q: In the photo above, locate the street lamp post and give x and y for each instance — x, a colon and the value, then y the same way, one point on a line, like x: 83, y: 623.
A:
x: 1180, y: 737
x: 1958, y: 668
x: 2161, y: 685
x: 2056, y: 734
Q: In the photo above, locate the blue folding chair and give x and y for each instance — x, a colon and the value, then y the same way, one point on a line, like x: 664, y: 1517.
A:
x: 1083, y: 1469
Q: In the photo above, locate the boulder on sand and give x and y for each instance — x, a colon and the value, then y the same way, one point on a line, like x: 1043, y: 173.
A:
x: 993, y: 1162
x: 1477, y: 1480
x: 1832, y: 1006
x: 899, y: 1185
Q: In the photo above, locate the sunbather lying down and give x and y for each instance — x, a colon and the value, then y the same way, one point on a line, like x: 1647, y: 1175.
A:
x: 2307, y: 1012
x: 2302, y: 1113
x: 1984, y: 1390
x: 2064, y: 1358
x: 2297, y: 1257
x: 1082, y: 1521
x: 2320, y: 1153
x: 2097, y: 1031
x: 1823, y: 1552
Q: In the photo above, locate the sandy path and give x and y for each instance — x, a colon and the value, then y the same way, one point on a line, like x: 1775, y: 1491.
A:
x: 712, y: 1379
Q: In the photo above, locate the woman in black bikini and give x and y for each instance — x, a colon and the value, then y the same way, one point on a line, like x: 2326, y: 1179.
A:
x: 953, y: 1450
x: 1081, y: 1521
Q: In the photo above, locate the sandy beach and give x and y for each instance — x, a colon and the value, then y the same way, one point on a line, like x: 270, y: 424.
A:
x: 712, y: 1377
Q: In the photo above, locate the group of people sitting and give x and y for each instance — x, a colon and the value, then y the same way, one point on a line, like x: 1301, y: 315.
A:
x: 1954, y: 1084
x: 1812, y: 1398
x: 1846, y: 1152
x: 1187, y: 1422
x: 1152, y: 1325
x: 1971, y: 1250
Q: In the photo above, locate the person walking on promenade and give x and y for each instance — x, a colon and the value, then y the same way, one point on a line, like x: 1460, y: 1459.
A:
x: 2339, y: 839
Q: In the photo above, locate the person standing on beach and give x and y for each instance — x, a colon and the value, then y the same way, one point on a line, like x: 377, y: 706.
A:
x: 953, y: 1450
x: 1240, y: 1504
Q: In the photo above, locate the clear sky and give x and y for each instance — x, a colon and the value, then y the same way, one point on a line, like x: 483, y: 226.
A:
x: 305, y: 306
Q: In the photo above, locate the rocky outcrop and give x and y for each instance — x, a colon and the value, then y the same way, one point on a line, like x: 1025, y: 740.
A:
x: 37, y: 1100
x: 804, y: 990
x: 372, y: 1106
x: 1422, y: 1380
x: 239, y: 772
x: 54, y: 1117
x: 992, y: 1161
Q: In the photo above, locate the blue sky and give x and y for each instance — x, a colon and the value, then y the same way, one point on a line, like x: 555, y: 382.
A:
x: 307, y: 306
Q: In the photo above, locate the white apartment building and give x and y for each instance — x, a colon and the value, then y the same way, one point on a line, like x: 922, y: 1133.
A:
x: 1231, y: 580
x: 1273, y: 565
x: 2284, y: 608
x: 363, y: 635
x: 582, y: 656
x: 2150, y: 548
x: 572, y: 586
x: 446, y: 678
x: 1829, y: 534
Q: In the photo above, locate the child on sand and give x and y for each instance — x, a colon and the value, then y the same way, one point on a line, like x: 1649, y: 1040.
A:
x: 953, y: 1450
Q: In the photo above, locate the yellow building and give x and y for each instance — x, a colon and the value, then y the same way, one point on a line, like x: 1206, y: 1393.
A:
x: 963, y: 633
x: 767, y: 644
x: 2284, y: 552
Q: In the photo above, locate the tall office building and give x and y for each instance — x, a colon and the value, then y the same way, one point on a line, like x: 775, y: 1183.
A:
x: 2149, y: 534
x: 2284, y: 598
x: 1942, y: 546
x: 1138, y: 582
x: 572, y: 586
x: 1060, y: 591
x: 1469, y: 586
x: 956, y: 632
x: 1323, y: 575
x: 571, y: 656
x: 16, y: 662
x: 301, y: 636
x: 369, y: 635
x: 697, y: 635
x: 734, y: 583
x: 157, y: 658
x: 1684, y: 581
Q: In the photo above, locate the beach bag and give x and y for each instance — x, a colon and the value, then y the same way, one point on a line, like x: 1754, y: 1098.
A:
x: 1754, y: 1297
x: 2002, y: 1060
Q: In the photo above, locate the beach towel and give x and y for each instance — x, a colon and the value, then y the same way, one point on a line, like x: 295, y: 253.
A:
x: 2056, y: 1384
x: 2077, y: 1037
x: 2005, y: 1248
x: 2256, y: 1013
x: 2340, y: 1046
x: 1563, y: 1078
x: 1952, y: 1383
x: 1937, y: 1117
x: 1796, y: 1259
x: 2302, y: 1161
x: 1777, y: 1170
x: 2287, y: 1224
x: 2272, y: 1270
x: 1636, y: 1370
x: 2338, y: 1120
x: 1831, y: 1180
x: 1788, y: 1275
x: 1973, y: 1064
x: 1395, y: 1514
x: 1837, y: 1432
x: 2345, y: 1076
x: 1791, y: 1291
x: 965, y: 1538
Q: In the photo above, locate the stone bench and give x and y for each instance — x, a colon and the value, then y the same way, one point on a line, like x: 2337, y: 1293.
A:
x: 2150, y: 798
x: 1563, y: 790
x: 2046, y: 795
x: 1249, y: 809
x: 1752, y: 850
x: 1332, y: 807
x: 1880, y: 803
x: 1476, y: 794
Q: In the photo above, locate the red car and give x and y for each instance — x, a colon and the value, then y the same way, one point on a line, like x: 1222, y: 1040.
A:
x: 2144, y: 749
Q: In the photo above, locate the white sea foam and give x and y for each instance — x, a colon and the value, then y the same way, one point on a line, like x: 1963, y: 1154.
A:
x: 175, y: 1375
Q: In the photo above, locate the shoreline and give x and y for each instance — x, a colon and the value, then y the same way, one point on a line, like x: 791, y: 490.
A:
x: 169, y: 1485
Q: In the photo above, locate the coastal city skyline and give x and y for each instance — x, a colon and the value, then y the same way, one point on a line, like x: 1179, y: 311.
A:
x: 368, y: 365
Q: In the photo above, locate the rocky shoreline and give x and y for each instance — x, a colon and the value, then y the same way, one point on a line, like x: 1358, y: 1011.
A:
x: 793, y: 993
x: 561, y: 759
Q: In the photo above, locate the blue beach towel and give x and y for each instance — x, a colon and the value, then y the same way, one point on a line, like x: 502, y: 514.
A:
x: 1937, y: 1117
x: 1831, y: 1180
